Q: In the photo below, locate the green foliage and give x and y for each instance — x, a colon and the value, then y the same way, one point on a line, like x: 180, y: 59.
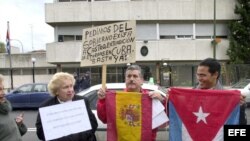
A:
x: 239, y: 48
x: 2, y: 48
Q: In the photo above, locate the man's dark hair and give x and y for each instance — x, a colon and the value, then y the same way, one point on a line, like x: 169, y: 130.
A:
x: 213, y: 66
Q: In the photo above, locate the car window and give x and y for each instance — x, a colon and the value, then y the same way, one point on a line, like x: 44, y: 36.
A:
x: 40, y: 88
x: 92, y: 98
x: 241, y: 84
x: 25, y: 89
x: 163, y: 89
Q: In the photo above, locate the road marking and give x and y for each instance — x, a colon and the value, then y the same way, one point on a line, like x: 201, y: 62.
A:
x: 31, y: 129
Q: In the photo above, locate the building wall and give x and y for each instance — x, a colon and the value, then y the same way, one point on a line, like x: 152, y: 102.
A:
x: 23, y: 60
x: 84, y: 11
x: 184, y: 26
x: 22, y: 68
x: 175, y: 31
x: 191, y: 19
x: 63, y: 52
x: 174, y: 50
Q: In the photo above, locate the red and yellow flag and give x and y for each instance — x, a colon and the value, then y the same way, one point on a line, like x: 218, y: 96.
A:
x: 129, y: 116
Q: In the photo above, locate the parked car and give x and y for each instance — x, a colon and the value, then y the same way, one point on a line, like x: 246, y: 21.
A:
x: 244, y: 87
x: 91, y: 95
x: 28, y: 95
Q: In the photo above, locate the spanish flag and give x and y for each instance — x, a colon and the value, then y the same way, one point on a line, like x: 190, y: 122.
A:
x: 129, y: 116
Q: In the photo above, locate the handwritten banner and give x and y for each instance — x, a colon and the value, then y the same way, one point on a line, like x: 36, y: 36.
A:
x: 64, y: 119
x: 109, y: 44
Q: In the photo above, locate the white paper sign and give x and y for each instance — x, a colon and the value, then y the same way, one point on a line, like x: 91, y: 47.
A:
x: 159, y: 116
x: 160, y: 119
x: 64, y: 119
x: 157, y: 107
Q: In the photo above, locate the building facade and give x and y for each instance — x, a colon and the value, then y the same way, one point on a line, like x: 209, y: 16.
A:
x: 172, y: 36
x: 23, y: 68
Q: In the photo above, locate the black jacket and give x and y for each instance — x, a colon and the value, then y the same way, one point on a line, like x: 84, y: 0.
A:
x: 82, y: 136
x: 243, y: 116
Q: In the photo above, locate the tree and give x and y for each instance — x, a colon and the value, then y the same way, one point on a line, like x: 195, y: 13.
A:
x: 239, y: 48
x: 2, y: 47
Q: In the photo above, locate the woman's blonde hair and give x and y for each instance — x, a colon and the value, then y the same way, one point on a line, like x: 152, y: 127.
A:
x: 57, y: 81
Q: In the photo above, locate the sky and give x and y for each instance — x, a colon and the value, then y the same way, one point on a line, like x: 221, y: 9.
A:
x: 26, y: 23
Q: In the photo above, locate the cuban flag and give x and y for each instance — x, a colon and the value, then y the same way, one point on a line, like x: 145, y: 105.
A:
x: 129, y: 116
x: 8, y: 39
x: 199, y: 115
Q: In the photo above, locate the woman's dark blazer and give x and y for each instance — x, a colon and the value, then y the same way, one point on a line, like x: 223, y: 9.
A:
x: 82, y: 136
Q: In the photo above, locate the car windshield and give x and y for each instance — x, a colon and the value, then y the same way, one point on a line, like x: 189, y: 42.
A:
x: 163, y: 89
x: 241, y: 84
x: 83, y: 91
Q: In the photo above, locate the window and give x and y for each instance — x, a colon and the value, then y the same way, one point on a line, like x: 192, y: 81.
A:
x: 68, y: 38
x: 4, y: 71
x: 111, y: 70
x: 96, y: 70
x: 78, y: 37
x: 60, y: 38
x: 184, y: 37
x: 51, y: 71
x: 167, y: 37
x: 16, y: 71
x: 69, y: 70
x: 111, y: 77
x: 25, y: 89
x: 64, y: 0
x: 40, y: 88
x: 146, y: 32
x: 176, y: 31
x: 84, y: 70
x: 206, y: 30
x: 63, y: 38
x: 40, y: 71
x: 204, y: 37
x: 95, y: 78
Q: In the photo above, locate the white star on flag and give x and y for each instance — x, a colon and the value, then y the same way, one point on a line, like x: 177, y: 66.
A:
x: 200, y: 115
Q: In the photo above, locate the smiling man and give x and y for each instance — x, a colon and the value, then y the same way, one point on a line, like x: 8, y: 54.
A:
x: 208, y: 73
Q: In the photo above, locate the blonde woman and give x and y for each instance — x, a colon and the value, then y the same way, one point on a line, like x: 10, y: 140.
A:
x: 61, y: 86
